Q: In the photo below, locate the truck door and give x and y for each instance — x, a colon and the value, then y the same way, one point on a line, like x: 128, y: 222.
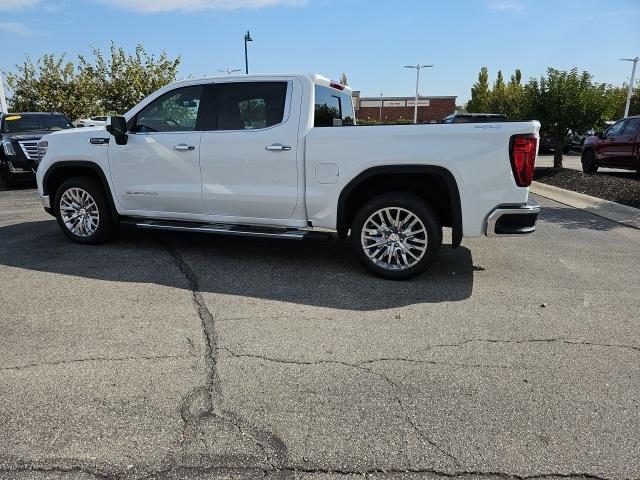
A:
x: 158, y: 170
x: 629, y: 144
x: 610, y: 147
x: 249, y: 151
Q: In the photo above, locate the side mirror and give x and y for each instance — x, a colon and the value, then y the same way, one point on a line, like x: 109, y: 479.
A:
x: 117, y: 126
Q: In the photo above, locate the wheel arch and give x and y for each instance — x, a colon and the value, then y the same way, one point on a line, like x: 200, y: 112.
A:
x: 61, y: 171
x: 409, y: 178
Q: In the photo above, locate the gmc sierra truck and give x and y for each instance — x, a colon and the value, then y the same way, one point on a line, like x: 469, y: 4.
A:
x: 281, y: 156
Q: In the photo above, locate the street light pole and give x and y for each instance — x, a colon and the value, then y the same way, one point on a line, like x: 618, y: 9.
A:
x: 3, y: 100
x: 630, y: 91
x: 418, y: 67
x: 247, y: 38
x: 380, y: 117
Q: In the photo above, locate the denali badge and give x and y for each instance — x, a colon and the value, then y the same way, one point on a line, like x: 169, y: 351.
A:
x: 140, y: 193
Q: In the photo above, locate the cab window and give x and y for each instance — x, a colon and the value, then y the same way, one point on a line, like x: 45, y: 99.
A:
x: 251, y: 105
x: 175, y: 111
x: 333, y: 108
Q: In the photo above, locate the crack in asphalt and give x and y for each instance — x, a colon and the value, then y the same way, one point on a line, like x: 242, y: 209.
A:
x: 359, y: 366
x: 272, y: 447
x: 564, y: 340
x: 96, y: 359
x: 107, y: 472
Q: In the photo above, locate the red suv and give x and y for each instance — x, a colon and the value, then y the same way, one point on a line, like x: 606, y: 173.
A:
x: 617, y: 147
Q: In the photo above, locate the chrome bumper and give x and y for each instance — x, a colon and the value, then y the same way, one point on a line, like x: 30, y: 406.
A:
x: 46, y: 201
x: 513, y: 221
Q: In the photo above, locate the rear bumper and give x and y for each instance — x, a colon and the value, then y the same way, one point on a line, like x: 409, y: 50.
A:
x: 513, y: 221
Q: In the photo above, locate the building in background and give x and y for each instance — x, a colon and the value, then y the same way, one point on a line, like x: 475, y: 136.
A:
x: 430, y: 109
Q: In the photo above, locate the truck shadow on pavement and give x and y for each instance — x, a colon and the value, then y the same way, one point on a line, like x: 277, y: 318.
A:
x: 315, y: 273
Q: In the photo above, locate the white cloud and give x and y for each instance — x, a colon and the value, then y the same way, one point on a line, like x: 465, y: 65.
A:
x: 6, y: 5
x: 155, y: 6
x: 15, y: 28
x: 506, y: 6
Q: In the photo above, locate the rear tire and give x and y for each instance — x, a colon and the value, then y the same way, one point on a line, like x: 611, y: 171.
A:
x: 83, y: 211
x: 589, y: 162
x: 396, y: 236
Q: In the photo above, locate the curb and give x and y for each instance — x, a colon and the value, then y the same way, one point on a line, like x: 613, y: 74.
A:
x: 613, y: 211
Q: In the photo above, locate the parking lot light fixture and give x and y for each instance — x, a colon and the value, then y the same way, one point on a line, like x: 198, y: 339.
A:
x: 630, y: 91
x: 418, y: 67
x: 247, y: 38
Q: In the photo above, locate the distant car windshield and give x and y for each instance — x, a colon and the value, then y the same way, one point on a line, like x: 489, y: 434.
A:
x: 31, y: 122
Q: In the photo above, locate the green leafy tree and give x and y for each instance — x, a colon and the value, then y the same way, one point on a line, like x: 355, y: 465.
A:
x: 619, y: 99
x: 343, y: 79
x: 45, y: 86
x: 514, y: 105
x: 121, y: 81
x: 566, y: 101
x: 498, y: 101
x: 480, y: 93
x: 91, y: 86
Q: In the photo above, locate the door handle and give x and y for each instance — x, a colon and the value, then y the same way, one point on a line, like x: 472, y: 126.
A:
x: 277, y: 147
x: 183, y: 147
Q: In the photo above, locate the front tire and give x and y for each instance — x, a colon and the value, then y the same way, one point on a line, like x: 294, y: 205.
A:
x: 589, y: 161
x: 83, y: 211
x: 396, y: 236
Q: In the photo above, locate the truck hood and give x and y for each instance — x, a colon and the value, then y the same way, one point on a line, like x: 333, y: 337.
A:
x: 78, y: 131
x: 31, y: 135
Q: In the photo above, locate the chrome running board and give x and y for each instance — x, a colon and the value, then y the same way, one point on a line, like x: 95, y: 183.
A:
x: 225, y: 229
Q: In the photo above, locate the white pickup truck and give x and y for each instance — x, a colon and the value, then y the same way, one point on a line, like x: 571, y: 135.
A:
x: 281, y: 156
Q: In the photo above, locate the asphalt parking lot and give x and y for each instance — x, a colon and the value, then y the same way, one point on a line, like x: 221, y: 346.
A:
x: 179, y: 356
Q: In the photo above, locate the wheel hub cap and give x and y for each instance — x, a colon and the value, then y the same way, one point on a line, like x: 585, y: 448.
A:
x: 394, y: 238
x: 79, y: 212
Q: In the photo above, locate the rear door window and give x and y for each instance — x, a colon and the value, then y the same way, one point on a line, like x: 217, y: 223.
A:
x: 250, y: 105
x: 333, y: 108
x: 632, y: 127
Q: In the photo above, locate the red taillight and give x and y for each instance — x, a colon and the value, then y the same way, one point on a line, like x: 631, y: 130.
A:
x: 336, y: 85
x: 522, y: 152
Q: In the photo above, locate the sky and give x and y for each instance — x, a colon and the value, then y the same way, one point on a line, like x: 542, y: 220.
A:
x: 369, y: 40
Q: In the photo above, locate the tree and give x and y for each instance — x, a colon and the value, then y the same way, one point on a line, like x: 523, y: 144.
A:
x: 619, y: 99
x: 498, y: 96
x: 480, y: 93
x: 92, y: 86
x: 566, y: 101
x: 343, y: 79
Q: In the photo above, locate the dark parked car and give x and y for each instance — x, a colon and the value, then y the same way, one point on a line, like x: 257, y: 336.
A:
x: 548, y: 142
x: 475, y: 118
x: 617, y: 147
x: 19, y: 136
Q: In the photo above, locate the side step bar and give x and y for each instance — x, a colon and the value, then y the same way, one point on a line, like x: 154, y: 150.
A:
x: 225, y: 229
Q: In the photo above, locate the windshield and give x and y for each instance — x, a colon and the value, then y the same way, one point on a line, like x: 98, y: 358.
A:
x: 30, y: 122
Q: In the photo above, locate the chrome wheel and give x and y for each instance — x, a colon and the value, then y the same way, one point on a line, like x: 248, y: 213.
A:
x: 79, y: 212
x: 394, y: 238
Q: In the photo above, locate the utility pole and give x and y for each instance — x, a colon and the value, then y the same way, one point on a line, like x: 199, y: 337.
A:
x: 380, y: 117
x: 630, y: 91
x: 3, y: 99
x: 418, y: 67
x: 247, y: 38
